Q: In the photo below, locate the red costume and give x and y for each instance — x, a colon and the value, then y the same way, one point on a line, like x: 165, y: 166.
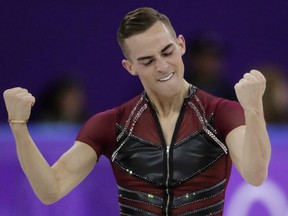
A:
x: 189, y: 177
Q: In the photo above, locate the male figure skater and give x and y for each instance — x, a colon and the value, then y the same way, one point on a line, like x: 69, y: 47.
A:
x: 171, y: 148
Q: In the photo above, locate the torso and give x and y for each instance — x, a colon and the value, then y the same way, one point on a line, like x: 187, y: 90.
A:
x: 145, y: 167
x: 192, y: 163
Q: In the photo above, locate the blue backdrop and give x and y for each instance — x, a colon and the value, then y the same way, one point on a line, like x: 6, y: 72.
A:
x: 42, y: 39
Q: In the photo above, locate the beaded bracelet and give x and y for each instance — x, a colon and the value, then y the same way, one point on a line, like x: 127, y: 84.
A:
x: 15, y: 121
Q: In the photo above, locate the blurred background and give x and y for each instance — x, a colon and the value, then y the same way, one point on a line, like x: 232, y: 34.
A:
x: 66, y: 54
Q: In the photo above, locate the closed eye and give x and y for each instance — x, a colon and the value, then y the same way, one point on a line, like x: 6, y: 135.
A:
x: 147, y: 63
x: 168, y: 50
x: 167, y: 53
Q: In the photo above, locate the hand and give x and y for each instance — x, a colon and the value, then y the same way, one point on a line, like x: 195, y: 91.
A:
x: 250, y: 90
x: 18, y: 103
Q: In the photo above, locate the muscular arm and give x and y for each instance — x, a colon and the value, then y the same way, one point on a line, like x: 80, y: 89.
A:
x: 49, y: 183
x: 249, y: 145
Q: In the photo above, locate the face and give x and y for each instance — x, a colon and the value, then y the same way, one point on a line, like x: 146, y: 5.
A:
x: 155, y: 56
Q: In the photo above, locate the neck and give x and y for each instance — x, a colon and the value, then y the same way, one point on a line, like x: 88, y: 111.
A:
x: 168, y: 106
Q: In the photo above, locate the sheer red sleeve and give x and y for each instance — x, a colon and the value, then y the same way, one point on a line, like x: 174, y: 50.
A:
x: 99, y: 132
x: 228, y: 115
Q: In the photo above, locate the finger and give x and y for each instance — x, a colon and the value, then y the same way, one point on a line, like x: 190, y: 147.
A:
x: 249, y: 76
x: 238, y: 85
x: 12, y: 91
x: 31, y: 101
x: 243, y: 81
x: 26, y: 97
x: 258, y: 74
x: 21, y: 91
x: 255, y: 72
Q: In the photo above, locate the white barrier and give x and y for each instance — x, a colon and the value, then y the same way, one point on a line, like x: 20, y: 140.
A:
x: 269, y: 195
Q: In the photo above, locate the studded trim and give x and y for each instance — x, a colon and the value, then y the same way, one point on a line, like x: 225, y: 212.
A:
x: 140, y: 197
x: 156, y: 201
x: 135, y: 119
x: 136, y: 174
x: 137, y: 138
x: 199, y: 195
x: 206, y: 126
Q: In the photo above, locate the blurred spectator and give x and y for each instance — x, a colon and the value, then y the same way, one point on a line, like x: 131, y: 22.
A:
x: 63, y: 100
x: 275, y: 99
x: 206, y: 65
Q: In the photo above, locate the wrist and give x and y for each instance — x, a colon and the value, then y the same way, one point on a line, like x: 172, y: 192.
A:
x: 254, y: 111
x: 17, y: 124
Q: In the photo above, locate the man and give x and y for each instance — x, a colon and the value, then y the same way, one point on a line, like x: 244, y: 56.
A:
x: 170, y: 147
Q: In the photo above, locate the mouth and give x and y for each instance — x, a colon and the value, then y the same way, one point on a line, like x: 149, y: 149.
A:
x: 166, y: 78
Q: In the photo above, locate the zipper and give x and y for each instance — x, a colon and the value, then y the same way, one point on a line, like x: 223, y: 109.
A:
x: 167, y: 181
x: 167, y: 204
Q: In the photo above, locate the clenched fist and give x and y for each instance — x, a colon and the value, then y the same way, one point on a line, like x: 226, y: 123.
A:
x: 18, y: 103
x: 250, y: 90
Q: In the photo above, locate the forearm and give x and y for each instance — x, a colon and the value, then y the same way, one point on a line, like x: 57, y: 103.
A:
x: 36, y: 168
x: 256, y: 148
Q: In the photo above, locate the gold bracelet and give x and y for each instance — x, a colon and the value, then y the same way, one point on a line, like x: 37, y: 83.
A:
x: 15, y: 121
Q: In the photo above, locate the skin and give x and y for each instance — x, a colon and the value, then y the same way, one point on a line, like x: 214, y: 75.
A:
x: 155, y: 56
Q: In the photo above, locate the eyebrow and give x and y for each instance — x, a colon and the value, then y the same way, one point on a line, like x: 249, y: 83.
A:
x: 150, y: 57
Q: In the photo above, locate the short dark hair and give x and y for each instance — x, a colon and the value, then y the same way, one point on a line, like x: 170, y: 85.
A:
x: 138, y: 21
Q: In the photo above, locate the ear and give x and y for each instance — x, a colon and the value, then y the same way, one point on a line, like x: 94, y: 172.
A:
x: 129, y: 67
x: 181, y: 44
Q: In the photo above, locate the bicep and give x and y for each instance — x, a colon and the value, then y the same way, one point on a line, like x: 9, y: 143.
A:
x: 73, y: 166
x: 234, y: 141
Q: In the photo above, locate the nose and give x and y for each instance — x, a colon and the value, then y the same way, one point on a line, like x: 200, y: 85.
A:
x: 162, y: 65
